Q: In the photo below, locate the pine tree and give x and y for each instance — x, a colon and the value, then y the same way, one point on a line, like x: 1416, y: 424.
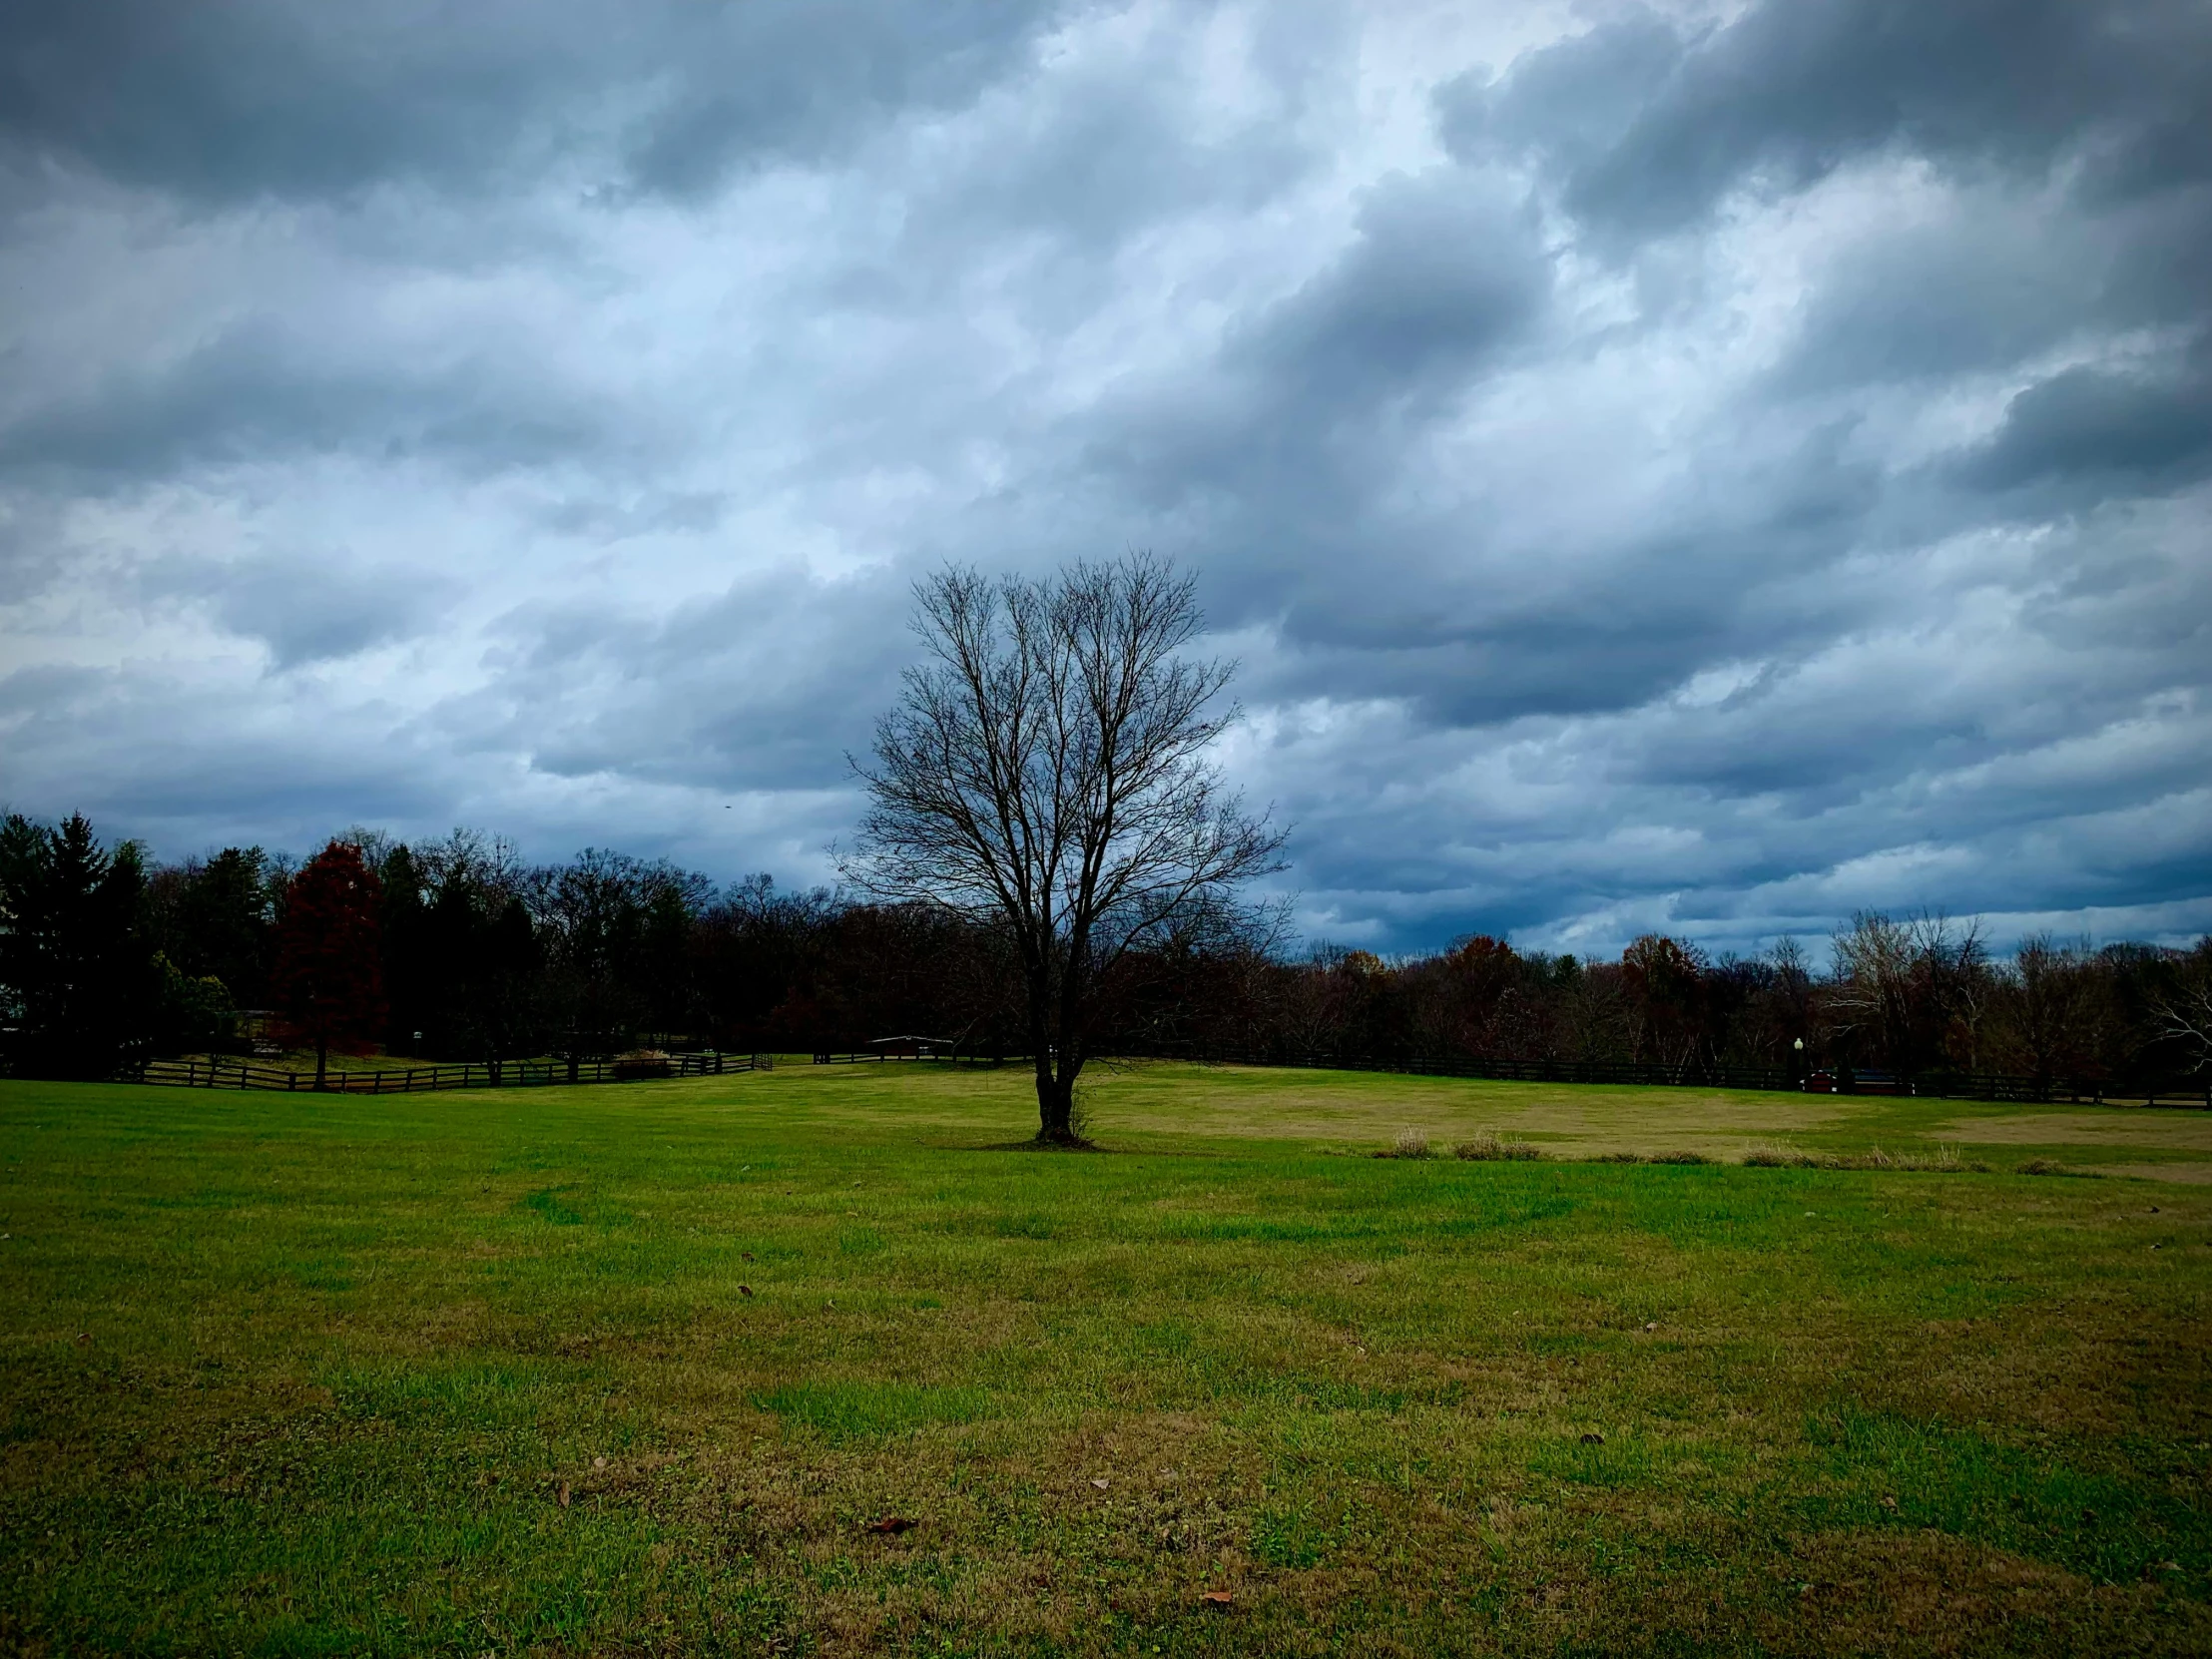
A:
x: 76, y: 970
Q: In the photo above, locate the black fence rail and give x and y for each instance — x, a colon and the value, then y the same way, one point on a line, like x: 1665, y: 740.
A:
x: 1992, y: 1086
x: 824, y: 1057
x: 2195, y: 1092
x: 504, y: 1074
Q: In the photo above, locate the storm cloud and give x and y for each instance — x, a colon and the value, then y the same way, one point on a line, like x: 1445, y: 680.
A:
x: 1659, y: 466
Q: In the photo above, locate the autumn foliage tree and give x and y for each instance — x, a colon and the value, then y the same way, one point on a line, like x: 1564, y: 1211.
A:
x: 329, y: 986
x: 1664, y: 982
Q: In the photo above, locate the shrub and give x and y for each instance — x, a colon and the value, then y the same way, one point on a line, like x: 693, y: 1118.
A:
x: 1411, y: 1143
x: 1490, y: 1147
x: 1082, y: 1120
x: 642, y: 1063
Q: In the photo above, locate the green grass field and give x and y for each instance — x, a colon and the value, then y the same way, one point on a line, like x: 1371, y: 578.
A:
x: 634, y: 1369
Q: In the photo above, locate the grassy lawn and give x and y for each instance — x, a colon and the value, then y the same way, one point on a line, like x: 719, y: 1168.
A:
x: 632, y: 1370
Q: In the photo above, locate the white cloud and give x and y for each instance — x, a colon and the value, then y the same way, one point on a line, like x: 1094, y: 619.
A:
x: 562, y: 468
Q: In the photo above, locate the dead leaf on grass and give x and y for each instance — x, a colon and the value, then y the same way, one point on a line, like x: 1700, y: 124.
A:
x: 1219, y: 1598
x: 745, y: 1289
x: 1100, y: 1483
x: 599, y: 1462
x: 891, y: 1524
x: 564, y: 1494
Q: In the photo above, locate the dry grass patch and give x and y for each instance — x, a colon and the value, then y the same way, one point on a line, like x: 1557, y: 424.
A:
x: 2168, y: 1129
x: 2187, y: 1175
x: 1944, y: 1160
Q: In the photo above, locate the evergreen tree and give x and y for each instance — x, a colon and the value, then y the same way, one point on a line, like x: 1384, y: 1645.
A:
x: 76, y: 971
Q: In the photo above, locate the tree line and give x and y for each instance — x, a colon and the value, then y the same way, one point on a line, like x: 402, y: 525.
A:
x: 459, y: 950
x: 1918, y: 997
x: 1049, y: 864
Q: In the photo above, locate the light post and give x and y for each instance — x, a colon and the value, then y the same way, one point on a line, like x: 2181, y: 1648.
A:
x: 1798, y: 1069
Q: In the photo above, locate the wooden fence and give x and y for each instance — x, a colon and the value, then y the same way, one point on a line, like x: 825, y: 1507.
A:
x: 1996, y: 1086
x: 240, y: 1074
x: 504, y: 1074
x: 823, y: 1057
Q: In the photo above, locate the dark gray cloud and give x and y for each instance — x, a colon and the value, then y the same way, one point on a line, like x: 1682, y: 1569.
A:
x: 736, y: 690
x: 1649, y: 123
x: 1691, y: 473
x: 2112, y: 431
x: 292, y: 98
x: 305, y: 605
x: 1436, y: 281
x: 259, y: 391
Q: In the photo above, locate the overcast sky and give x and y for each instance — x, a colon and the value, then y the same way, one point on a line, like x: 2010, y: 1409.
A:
x: 1661, y: 468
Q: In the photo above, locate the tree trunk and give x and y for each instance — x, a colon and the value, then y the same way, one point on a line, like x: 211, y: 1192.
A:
x: 1055, y: 1102
x: 321, y: 1059
x: 1053, y: 1097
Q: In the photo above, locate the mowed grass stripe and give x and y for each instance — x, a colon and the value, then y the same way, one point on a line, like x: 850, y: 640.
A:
x: 612, y: 1370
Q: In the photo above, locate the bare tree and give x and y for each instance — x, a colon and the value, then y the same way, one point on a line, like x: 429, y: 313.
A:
x: 1046, y: 767
x: 2182, y: 1010
x: 1903, y: 989
x: 2053, y: 1009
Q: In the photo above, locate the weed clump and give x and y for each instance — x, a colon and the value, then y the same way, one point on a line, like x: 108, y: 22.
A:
x: 1411, y: 1143
x: 1490, y: 1147
x: 2051, y: 1166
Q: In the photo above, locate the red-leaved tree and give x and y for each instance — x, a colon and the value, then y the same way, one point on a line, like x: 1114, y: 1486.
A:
x: 329, y: 986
